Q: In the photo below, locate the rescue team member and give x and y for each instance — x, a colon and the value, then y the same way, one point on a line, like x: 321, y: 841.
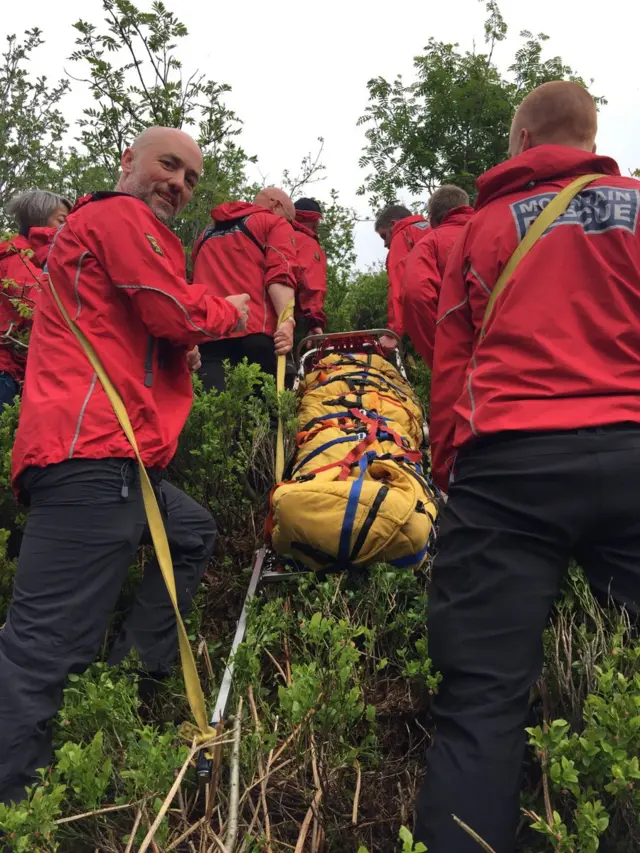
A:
x: 448, y: 211
x: 249, y: 247
x: 119, y: 271
x: 544, y: 413
x: 32, y: 211
x: 400, y: 230
x: 312, y: 264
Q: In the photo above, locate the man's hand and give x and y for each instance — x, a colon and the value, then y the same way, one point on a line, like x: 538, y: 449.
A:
x: 283, y: 338
x: 388, y: 343
x: 194, y: 362
x: 317, y: 330
x: 241, y: 302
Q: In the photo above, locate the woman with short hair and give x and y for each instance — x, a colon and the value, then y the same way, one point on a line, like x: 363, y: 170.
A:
x: 20, y: 279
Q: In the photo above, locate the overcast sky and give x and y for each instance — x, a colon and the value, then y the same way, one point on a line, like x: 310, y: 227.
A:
x: 299, y: 70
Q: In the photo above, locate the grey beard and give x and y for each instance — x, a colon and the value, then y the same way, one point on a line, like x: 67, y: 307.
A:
x: 137, y: 190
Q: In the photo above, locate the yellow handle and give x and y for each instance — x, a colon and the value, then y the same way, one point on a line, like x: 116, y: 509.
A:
x: 547, y: 217
x: 286, y: 314
x: 156, y: 527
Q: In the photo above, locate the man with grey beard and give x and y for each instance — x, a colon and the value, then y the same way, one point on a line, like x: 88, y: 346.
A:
x: 119, y: 272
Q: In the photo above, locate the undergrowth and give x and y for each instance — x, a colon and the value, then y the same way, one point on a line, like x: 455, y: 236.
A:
x: 329, y: 717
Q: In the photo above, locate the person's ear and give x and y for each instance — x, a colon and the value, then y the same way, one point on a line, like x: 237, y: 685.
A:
x: 126, y: 161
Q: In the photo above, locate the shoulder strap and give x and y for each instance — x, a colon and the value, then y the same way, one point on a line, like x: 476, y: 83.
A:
x: 228, y: 226
x: 547, y: 217
x: 242, y: 225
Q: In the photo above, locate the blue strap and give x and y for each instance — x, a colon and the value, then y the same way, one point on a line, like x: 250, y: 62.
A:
x: 359, y: 437
x: 405, y: 562
x: 338, y: 415
x: 344, y: 548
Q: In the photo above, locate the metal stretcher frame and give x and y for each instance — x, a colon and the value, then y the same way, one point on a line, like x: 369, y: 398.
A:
x: 309, y: 351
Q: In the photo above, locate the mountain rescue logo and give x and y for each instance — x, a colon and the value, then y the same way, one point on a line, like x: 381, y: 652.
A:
x: 154, y: 245
x: 595, y: 210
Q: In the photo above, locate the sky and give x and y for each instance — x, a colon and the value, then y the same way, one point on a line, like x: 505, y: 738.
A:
x: 299, y: 70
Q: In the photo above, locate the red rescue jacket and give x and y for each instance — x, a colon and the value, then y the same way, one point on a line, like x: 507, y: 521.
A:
x: 561, y: 349
x: 246, y: 250
x: 423, y: 278
x: 19, y: 284
x: 312, y: 277
x: 120, y: 274
x: 404, y: 236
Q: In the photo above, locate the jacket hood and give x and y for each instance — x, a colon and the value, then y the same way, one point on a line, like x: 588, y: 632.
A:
x: 236, y: 210
x: 40, y: 240
x: 298, y: 226
x: 401, y: 224
x: 542, y: 163
x: 457, y: 216
x: 15, y: 244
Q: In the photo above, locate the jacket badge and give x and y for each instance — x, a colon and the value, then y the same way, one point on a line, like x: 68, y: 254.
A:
x: 154, y: 244
x: 316, y: 255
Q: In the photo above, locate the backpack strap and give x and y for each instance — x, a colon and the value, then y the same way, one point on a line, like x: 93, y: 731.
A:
x: 230, y: 225
x: 544, y: 220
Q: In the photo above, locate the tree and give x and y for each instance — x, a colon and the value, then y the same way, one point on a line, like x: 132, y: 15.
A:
x: 137, y: 80
x: 31, y: 123
x: 452, y: 123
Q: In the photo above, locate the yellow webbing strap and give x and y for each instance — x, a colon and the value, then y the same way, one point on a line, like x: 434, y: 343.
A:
x: 286, y: 314
x: 550, y: 213
x: 157, y: 529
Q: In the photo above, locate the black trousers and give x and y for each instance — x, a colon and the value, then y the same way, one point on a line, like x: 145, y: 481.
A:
x: 520, y: 507
x: 85, y: 524
x: 257, y: 349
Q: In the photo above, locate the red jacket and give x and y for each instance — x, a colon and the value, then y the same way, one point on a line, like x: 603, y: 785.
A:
x: 561, y: 349
x: 406, y: 233
x: 312, y: 277
x: 120, y: 274
x: 19, y: 283
x: 423, y: 277
x: 252, y: 250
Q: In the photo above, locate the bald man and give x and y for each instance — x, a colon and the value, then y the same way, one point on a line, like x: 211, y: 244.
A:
x: 535, y: 431
x: 250, y: 247
x: 119, y: 272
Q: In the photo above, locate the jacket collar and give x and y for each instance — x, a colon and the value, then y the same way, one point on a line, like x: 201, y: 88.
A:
x: 544, y: 163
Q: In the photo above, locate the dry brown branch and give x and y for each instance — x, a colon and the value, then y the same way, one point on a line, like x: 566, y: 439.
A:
x: 277, y: 666
x: 316, y: 779
x: 544, y: 693
x: 473, y: 835
x: 218, y: 843
x: 263, y: 779
x: 203, y: 650
x: 186, y: 834
x: 263, y: 787
x: 132, y: 836
x: 356, y: 798
x: 148, y: 841
x: 234, y: 789
x: 304, y: 829
x: 105, y: 810
x: 297, y: 730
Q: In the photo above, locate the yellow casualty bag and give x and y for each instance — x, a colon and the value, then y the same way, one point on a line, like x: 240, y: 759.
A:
x: 355, y: 491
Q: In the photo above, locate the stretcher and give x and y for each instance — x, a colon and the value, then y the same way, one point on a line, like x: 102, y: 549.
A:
x: 382, y: 456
